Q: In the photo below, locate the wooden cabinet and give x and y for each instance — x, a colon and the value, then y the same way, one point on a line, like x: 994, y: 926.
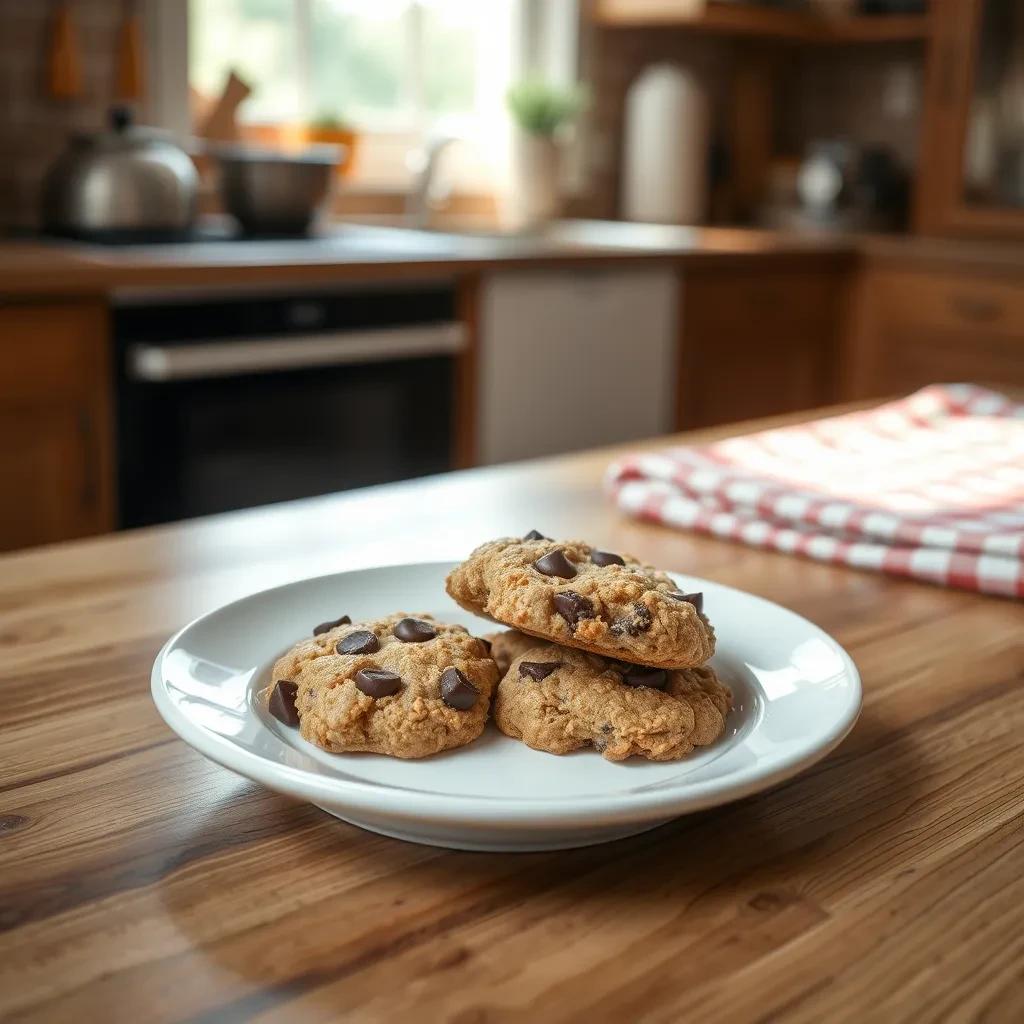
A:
x: 911, y: 328
x: 972, y: 146
x: 757, y: 342
x: 55, y: 436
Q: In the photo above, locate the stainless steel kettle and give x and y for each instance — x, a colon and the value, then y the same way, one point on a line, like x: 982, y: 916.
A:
x: 130, y: 182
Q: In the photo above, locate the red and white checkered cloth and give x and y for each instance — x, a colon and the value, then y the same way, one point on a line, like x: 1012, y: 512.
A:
x: 931, y: 486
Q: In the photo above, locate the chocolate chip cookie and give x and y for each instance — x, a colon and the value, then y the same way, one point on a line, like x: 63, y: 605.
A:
x: 507, y: 645
x: 557, y: 699
x: 599, y: 601
x: 406, y: 685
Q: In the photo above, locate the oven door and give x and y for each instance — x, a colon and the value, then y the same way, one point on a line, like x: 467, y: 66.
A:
x: 209, y: 426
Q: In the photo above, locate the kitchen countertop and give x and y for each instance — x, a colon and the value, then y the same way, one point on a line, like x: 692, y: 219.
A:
x: 354, y: 250
x: 139, y: 881
x: 350, y: 250
x: 364, y: 251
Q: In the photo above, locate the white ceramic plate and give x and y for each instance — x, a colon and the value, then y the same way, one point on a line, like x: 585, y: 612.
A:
x: 796, y: 690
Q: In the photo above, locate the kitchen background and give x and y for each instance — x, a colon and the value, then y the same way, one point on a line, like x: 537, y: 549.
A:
x: 307, y: 245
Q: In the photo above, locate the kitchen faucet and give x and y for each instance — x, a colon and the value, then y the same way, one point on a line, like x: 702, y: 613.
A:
x: 422, y: 162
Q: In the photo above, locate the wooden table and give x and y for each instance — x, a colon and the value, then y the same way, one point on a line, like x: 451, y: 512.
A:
x: 139, y: 882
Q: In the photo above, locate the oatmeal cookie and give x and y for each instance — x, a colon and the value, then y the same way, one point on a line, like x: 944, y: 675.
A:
x: 507, y: 645
x: 405, y: 685
x: 558, y: 699
x: 570, y: 593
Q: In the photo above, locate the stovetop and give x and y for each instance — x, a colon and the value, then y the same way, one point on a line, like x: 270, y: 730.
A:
x: 207, y: 229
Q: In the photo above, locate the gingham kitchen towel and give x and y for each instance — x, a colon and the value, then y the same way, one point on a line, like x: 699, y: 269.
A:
x: 931, y: 486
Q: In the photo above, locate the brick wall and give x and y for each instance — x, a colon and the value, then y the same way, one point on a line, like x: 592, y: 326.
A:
x: 33, y: 127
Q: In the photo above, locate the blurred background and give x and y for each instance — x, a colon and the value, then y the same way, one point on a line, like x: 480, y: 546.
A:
x: 258, y: 250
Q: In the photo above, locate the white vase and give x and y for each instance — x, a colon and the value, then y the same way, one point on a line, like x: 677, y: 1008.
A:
x: 533, y: 196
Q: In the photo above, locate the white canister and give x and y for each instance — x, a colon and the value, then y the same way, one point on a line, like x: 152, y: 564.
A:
x: 665, y: 148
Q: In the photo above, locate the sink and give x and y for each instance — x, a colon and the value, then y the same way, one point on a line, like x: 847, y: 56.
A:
x: 558, y: 236
x: 451, y: 242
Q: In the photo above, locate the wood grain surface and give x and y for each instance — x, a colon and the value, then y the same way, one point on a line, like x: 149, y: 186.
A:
x: 140, y: 882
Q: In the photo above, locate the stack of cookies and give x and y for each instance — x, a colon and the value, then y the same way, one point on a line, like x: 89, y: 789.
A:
x: 602, y: 651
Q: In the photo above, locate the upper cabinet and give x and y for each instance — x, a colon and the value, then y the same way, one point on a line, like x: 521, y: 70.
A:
x: 759, y: 21
x: 972, y: 160
x: 964, y: 143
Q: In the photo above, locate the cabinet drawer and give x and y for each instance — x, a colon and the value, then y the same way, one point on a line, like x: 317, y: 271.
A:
x: 948, y: 302
x: 913, y: 358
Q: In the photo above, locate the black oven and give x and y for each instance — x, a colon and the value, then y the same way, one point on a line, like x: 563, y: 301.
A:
x: 233, y: 400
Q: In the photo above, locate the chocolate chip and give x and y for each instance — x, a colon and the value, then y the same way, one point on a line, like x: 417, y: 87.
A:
x: 554, y: 563
x: 641, y: 675
x: 414, y: 631
x: 326, y: 627
x: 537, y: 669
x: 634, y: 622
x: 606, y: 558
x: 697, y: 599
x: 282, y: 702
x: 535, y: 535
x: 457, y: 691
x: 362, y: 641
x: 378, y: 682
x: 573, y: 607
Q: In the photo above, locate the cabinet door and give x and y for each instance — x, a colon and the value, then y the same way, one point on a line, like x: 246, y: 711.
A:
x: 971, y: 179
x: 757, y: 343
x: 47, y: 463
x: 54, y: 423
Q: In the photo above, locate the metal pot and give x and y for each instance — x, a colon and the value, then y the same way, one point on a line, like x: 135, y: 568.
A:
x: 272, y: 193
x: 126, y: 183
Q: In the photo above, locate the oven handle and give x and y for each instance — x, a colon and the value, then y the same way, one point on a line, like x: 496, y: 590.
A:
x: 236, y: 356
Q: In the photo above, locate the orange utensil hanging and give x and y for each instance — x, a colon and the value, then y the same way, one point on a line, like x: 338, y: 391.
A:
x: 131, y: 69
x: 63, y: 65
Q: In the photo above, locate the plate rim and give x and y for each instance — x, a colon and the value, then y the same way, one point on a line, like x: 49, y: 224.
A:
x: 483, y: 811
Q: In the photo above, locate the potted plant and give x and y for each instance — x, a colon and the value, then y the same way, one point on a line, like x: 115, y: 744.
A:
x: 541, y: 113
x: 331, y: 128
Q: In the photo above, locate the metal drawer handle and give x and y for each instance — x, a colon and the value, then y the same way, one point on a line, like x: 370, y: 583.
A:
x: 227, y: 358
x: 978, y: 310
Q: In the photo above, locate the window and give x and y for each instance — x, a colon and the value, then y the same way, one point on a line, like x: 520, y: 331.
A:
x: 398, y: 71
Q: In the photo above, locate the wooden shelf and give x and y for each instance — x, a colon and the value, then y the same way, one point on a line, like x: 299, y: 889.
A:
x: 761, y: 22
x: 880, y: 28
